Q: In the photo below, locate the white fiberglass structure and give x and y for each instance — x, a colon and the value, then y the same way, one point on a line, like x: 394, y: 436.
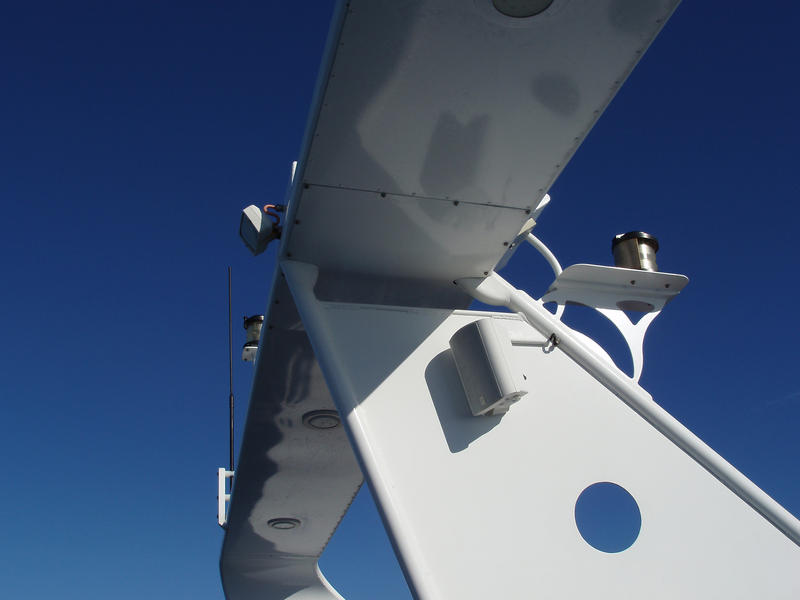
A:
x: 437, y: 128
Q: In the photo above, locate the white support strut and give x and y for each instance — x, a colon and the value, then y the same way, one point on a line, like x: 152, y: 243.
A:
x: 551, y: 260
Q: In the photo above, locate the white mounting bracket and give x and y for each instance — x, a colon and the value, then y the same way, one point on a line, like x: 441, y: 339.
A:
x: 612, y: 291
x: 223, y: 497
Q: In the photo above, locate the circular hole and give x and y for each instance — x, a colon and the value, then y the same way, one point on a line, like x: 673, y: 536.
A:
x: 283, y: 523
x: 520, y: 9
x: 608, y: 517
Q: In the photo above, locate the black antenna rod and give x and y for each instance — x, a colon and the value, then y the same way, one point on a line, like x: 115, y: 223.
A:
x: 230, y: 366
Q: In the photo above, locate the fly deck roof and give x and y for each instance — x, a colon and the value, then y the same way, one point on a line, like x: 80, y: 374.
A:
x: 439, y: 125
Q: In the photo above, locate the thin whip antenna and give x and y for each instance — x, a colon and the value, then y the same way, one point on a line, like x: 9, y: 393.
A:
x: 230, y: 366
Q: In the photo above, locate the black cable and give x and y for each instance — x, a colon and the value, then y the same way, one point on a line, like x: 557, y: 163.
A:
x: 230, y: 366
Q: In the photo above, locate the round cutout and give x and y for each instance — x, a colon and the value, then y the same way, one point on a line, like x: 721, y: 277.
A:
x: 608, y: 517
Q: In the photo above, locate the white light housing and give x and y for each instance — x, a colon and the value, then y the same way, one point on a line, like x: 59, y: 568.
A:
x: 521, y: 9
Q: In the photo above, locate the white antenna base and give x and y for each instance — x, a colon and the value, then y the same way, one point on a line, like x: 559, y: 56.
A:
x: 223, y: 497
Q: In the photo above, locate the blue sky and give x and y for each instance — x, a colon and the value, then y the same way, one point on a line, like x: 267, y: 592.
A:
x: 132, y: 134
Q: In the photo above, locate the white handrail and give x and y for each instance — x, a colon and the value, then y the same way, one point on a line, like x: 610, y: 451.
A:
x: 551, y: 260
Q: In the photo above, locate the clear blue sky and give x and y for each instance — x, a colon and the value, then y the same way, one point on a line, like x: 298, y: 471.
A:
x: 132, y: 134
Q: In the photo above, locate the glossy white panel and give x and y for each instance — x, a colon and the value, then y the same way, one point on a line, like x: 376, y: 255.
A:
x: 483, y: 507
x: 400, y: 236
x: 609, y: 287
x: 451, y: 99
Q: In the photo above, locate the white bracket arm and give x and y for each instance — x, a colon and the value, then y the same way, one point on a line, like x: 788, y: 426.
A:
x: 612, y: 291
x: 633, y: 334
x: 223, y: 497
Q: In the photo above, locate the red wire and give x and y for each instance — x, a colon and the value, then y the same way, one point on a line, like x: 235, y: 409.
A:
x: 275, y: 216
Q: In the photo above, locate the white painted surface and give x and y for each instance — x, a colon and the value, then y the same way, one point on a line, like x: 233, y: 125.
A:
x: 425, y: 103
x: 223, y: 475
x: 399, y: 236
x: 611, y: 289
x: 285, y: 470
x: 496, y: 291
x: 484, y: 507
x: 450, y: 99
x: 605, y: 287
x: 436, y: 127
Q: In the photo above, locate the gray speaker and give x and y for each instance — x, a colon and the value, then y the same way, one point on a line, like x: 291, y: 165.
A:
x: 482, y: 352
